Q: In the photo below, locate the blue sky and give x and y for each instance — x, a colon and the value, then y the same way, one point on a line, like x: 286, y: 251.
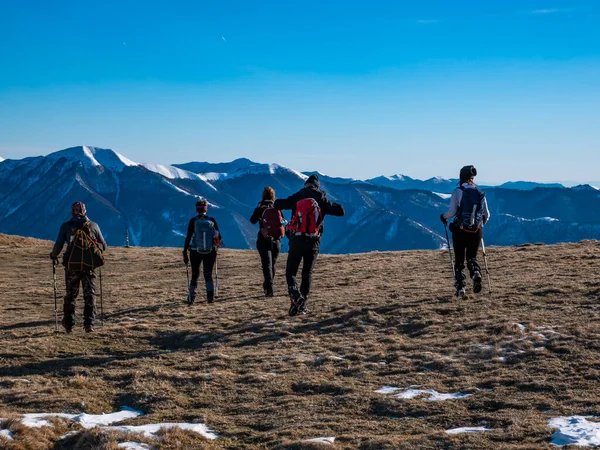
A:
x: 347, y: 88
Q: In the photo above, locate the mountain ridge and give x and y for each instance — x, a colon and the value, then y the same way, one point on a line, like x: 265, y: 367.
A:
x: 153, y: 203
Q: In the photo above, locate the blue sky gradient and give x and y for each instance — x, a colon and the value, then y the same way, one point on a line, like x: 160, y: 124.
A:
x: 347, y: 88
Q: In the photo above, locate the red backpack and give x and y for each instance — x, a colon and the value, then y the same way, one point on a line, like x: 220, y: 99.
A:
x: 272, y: 223
x: 307, y: 219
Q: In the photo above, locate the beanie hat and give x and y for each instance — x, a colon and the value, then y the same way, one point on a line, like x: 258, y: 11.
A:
x: 314, y: 180
x: 78, y: 208
x: 201, y: 205
x: 467, y: 172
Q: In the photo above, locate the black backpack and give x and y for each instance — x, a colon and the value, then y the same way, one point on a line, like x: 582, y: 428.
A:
x: 83, y: 252
x: 470, y: 211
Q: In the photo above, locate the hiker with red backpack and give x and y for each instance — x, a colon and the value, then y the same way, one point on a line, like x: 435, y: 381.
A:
x: 469, y: 209
x: 309, y: 207
x: 268, y: 243
x: 202, y: 241
x: 83, y: 255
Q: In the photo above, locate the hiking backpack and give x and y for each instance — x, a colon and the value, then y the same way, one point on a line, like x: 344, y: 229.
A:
x: 470, y: 210
x: 83, y: 252
x: 204, y: 235
x: 307, y: 218
x: 272, y: 223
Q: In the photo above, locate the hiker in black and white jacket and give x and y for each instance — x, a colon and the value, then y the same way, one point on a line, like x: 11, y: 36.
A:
x: 270, y: 231
x: 202, y: 240
x: 309, y: 207
x: 469, y: 209
x: 87, y: 278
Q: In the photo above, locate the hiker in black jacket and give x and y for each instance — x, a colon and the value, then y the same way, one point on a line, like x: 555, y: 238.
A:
x: 268, y: 246
x: 305, y: 246
x: 72, y: 277
x: 202, y: 240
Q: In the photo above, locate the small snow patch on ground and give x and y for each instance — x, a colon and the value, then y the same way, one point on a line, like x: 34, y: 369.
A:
x: 575, y: 430
x: 6, y: 434
x: 38, y: 420
x: 321, y: 440
x: 428, y: 394
x: 467, y: 430
x: 134, y: 446
x: 150, y: 430
x: 387, y: 390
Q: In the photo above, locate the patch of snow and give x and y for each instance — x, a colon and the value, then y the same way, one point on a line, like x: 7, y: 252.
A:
x: 37, y: 420
x: 69, y: 434
x: 467, y: 430
x: 575, y: 430
x: 321, y: 440
x: 151, y: 430
x: 171, y: 172
x: 87, y: 151
x: 430, y: 395
x: 6, y: 434
x: 109, y: 158
x: 444, y: 196
x: 521, y: 327
x: 1, y: 159
x: 393, y: 230
x: 387, y: 390
x: 134, y: 446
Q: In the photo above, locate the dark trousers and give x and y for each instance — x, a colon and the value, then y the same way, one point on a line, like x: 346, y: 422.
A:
x: 301, y: 248
x: 465, y: 246
x: 268, y: 249
x: 88, y: 281
x: 208, y: 260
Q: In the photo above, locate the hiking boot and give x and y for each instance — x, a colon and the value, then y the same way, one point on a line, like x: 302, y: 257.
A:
x: 68, y: 329
x: 210, y: 296
x: 476, y: 282
x: 191, y: 299
x: 460, y: 292
x: 269, y: 293
x: 89, y: 329
x: 297, y: 305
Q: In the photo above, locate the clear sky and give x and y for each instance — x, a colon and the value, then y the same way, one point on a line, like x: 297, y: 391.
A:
x: 349, y: 88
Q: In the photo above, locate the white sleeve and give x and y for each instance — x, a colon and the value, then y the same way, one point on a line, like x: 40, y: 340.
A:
x: 454, y: 202
x: 486, y: 211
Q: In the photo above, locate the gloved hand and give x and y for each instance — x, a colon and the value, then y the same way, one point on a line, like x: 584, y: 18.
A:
x: 54, y: 259
x: 186, y: 259
x: 443, y: 219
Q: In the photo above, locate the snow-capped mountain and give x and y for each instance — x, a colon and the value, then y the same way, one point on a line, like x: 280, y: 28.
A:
x: 155, y: 202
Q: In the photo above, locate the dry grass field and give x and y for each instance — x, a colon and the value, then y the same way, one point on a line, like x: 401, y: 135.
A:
x: 527, y: 353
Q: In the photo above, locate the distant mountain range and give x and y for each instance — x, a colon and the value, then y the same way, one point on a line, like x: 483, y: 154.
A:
x: 155, y: 202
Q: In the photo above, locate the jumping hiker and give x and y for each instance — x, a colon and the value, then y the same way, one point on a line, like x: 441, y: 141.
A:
x: 309, y: 207
x: 469, y: 209
x: 71, y: 233
x: 270, y: 232
x: 202, y: 240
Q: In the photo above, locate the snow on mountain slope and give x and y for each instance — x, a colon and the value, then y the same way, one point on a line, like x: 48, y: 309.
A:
x: 93, y: 157
x: 1, y: 159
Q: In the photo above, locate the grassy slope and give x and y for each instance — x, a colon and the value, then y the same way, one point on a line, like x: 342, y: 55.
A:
x: 263, y: 380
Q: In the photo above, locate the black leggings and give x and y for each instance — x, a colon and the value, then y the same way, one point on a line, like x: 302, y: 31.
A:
x: 268, y: 249
x: 466, y: 245
x: 208, y: 260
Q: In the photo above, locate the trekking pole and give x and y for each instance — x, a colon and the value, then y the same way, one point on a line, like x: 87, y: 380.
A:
x: 486, y: 266
x: 55, y: 300
x: 216, y: 275
x: 449, y: 250
x: 187, y: 273
x: 101, y: 305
